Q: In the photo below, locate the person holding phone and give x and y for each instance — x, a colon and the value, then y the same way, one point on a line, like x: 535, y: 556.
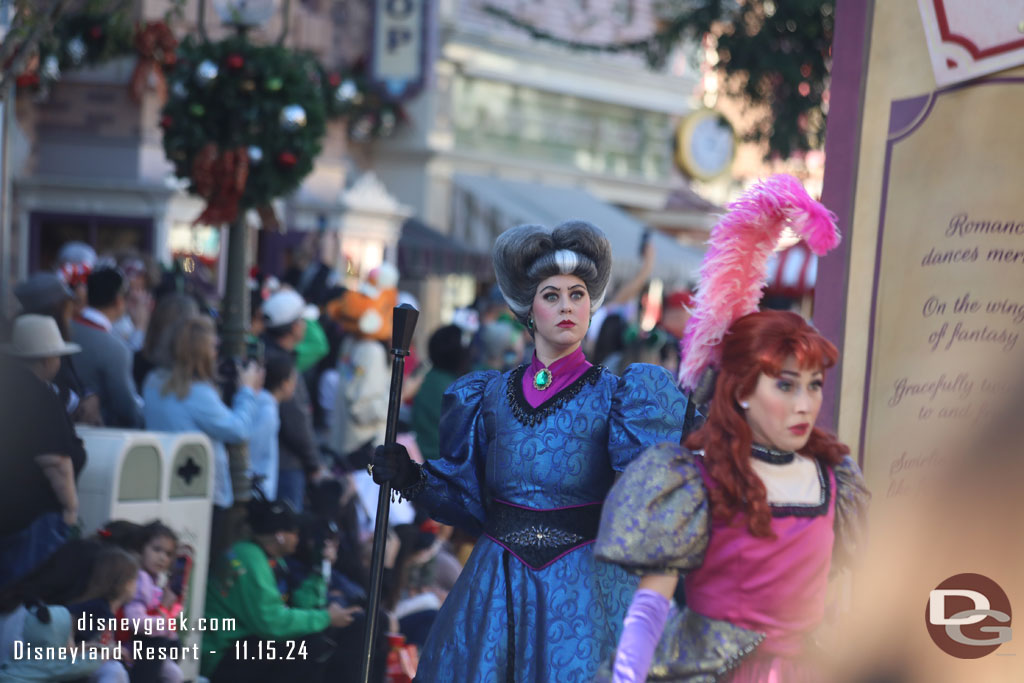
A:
x: 246, y: 590
x: 184, y: 398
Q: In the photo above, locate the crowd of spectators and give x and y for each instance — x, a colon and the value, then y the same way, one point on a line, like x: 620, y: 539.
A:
x: 293, y: 423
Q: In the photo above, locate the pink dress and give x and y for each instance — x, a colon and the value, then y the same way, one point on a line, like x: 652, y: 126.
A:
x: 751, y: 602
x: 772, y: 586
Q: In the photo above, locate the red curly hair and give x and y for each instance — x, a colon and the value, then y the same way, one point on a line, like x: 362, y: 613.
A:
x: 756, y: 343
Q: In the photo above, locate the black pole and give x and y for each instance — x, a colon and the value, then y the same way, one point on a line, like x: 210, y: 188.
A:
x: 236, y: 293
x: 401, y: 337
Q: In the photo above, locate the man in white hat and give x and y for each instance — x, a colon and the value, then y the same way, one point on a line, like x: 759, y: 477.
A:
x: 284, y: 315
x: 42, y: 453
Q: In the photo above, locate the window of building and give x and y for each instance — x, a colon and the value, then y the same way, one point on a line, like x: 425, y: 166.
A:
x: 106, y: 234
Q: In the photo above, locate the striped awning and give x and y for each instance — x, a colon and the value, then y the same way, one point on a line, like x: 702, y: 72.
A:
x: 791, y: 272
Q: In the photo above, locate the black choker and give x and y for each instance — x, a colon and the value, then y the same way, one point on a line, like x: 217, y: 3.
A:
x: 770, y: 455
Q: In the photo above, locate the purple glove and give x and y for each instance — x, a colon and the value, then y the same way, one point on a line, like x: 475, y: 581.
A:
x: 640, y: 635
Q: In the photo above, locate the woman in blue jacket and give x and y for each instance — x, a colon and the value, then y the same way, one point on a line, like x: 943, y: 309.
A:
x: 185, y: 399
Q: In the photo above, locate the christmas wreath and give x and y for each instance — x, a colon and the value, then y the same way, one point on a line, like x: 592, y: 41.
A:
x: 243, y: 123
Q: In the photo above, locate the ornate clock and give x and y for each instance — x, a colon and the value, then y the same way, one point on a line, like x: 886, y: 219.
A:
x: 705, y: 145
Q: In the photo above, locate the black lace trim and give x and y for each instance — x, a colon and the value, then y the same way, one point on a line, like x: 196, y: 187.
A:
x: 414, y: 489
x: 530, y: 416
x: 808, y: 509
x: 770, y: 455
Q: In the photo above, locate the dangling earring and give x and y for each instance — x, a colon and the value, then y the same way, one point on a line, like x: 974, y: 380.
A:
x: 744, y: 405
x: 529, y: 324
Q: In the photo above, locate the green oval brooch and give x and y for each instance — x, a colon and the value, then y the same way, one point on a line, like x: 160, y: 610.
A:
x: 542, y: 380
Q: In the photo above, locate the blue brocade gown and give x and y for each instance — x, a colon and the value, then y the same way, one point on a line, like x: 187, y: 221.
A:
x: 567, y: 616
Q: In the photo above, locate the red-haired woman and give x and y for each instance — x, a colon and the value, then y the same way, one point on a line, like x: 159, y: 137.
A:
x: 754, y: 511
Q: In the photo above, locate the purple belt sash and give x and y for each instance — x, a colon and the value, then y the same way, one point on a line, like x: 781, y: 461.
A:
x: 539, y: 537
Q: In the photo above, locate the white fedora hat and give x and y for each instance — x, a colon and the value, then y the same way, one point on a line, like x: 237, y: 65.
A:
x: 37, y: 336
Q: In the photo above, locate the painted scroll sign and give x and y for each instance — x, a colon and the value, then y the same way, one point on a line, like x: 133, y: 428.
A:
x: 971, y: 38
x: 947, y: 314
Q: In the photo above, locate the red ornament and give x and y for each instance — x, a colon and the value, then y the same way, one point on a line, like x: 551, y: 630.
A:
x: 334, y: 78
x: 287, y: 159
x: 95, y: 32
x: 166, y: 121
x: 235, y: 61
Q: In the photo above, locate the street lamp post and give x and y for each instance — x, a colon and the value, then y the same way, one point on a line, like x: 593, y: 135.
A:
x: 242, y: 15
x: 7, y: 115
x: 235, y: 310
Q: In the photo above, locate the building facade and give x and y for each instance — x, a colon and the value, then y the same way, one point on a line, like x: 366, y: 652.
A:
x: 508, y: 129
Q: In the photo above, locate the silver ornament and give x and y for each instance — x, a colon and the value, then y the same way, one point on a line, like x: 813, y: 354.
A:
x: 347, y: 92
x: 293, y: 117
x: 179, y: 90
x: 42, y: 92
x: 76, y: 50
x: 206, y: 72
x: 51, y: 68
x: 362, y: 129
x: 387, y: 123
x: 255, y: 154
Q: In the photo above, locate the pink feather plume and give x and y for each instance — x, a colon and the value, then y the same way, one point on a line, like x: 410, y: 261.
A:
x: 732, y: 274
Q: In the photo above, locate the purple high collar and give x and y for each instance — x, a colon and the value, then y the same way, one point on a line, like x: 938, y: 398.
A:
x: 564, y: 372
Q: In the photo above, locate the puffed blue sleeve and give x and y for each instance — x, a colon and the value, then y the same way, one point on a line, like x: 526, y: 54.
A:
x: 453, y: 492
x: 647, y: 409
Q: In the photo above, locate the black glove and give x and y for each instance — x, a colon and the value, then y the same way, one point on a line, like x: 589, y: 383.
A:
x: 391, y: 463
x: 360, y: 457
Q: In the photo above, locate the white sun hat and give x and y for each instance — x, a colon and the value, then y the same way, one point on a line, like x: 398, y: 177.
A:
x: 37, y: 336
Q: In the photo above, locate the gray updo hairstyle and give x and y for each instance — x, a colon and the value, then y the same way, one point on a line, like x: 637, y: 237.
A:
x: 527, y: 255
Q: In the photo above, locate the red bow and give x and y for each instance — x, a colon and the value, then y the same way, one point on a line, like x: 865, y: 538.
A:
x: 219, y: 178
x: 156, y: 47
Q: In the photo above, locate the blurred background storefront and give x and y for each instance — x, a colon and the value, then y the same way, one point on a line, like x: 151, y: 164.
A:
x: 507, y: 128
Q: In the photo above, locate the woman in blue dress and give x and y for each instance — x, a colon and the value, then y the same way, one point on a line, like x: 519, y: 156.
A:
x: 527, y: 457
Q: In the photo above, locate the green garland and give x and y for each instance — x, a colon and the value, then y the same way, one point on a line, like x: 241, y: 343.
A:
x: 266, y: 99
x: 655, y: 48
x: 775, y: 54
x: 270, y: 100
x: 79, y: 39
x: 348, y: 94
